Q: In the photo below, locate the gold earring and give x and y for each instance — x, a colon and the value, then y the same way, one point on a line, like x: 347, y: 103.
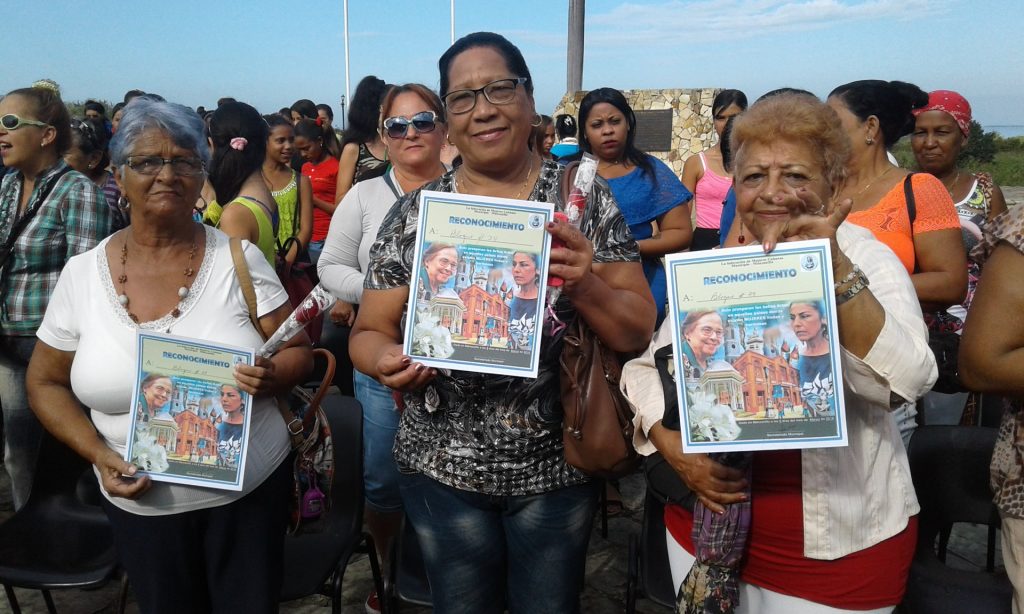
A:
x: 448, y: 137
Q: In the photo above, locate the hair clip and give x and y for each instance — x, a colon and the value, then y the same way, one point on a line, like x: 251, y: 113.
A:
x: 238, y: 143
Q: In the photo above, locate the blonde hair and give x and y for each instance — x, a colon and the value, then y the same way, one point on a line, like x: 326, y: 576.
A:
x: 797, y: 118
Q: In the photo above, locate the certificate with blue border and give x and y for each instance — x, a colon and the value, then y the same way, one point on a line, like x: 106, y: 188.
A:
x: 756, y: 354
x: 478, y: 285
x: 189, y: 421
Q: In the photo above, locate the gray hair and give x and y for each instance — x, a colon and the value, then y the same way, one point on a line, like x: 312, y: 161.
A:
x: 142, y: 114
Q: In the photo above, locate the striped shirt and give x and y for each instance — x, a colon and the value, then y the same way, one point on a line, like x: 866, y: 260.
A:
x: 73, y: 219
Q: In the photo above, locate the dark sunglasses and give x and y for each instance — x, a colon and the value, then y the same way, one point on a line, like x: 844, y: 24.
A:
x: 398, y: 127
x: 13, y: 122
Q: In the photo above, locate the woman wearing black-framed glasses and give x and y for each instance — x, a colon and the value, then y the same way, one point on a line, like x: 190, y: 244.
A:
x: 168, y: 273
x: 48, y: 213
x: 503, y: 520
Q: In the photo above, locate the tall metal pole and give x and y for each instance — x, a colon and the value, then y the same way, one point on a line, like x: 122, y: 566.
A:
x: 348, y: 94
x: 453, y: 22
x: 574, y: 57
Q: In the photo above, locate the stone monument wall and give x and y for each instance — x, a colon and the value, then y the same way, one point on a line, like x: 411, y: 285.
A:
x: 690, y: 130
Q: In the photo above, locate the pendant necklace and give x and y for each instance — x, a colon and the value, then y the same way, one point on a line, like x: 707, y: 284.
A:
x: 460, y: 185
x: 952, y: 186
x: 183, y: 291
x: 870, y: 183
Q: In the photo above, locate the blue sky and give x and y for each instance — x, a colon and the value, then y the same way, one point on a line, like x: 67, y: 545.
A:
x: 270, y: 53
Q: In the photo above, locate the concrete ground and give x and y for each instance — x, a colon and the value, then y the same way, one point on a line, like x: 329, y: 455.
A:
x: 605, y: 579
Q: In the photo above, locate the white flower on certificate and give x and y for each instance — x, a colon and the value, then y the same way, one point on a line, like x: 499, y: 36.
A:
x: 712, y: 421
x: 149, y: 455
x: 430, y: 338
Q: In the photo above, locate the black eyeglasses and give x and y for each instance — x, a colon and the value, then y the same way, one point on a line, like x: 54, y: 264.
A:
x: 502, y: 91
x: 397, y: 127
x: 13, y: 122
x: 152, y: 165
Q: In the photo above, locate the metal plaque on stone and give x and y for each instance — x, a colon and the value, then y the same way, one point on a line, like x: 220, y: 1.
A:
x: 653, y: 130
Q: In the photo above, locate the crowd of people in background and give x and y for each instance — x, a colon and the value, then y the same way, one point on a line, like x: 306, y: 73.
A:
x: 99, y: 216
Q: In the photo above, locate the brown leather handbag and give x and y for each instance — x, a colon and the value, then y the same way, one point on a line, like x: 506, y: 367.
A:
x: 597, y: 430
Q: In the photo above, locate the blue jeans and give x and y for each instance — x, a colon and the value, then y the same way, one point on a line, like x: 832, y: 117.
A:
x: 380, y: 425
x: 22, y: 431
x: 314, y: 250
x: 482, y: 551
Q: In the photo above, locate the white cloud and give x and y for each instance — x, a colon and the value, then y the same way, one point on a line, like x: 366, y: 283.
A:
x: 669, y: 23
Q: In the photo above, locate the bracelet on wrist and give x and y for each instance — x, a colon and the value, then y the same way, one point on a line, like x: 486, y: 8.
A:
x: 852, y: 274
x: 858, y: 283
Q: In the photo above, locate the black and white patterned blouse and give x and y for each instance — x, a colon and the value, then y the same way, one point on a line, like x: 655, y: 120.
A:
x: 492, y: 434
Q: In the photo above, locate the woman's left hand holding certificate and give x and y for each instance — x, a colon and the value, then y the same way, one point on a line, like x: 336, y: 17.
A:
x: 399, y: 372
x: 118, y: 475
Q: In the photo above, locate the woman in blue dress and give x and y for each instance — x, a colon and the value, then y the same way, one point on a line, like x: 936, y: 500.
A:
x: 650, y: 195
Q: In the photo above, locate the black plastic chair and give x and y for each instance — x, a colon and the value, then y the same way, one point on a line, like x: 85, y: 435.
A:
x: 315, y: 560
x: 61, y: 538
x: 950, y: 467
x: 648, y: 571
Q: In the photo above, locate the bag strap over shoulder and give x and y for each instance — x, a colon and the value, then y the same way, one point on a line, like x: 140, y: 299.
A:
x: 391, y: 184
x: 245, y: 281
x: 294, y: 425
x: 26, y: 217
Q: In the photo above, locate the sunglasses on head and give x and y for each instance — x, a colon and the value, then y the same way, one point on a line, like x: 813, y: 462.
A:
x: 87, y: 130
x: 13, y: 122
x: 398, y: 127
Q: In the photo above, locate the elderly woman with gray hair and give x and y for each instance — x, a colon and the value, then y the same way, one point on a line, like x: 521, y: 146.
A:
x: 184, y: 547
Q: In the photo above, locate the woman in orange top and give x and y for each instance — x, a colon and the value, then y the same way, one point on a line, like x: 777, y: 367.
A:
x: 876, y: 114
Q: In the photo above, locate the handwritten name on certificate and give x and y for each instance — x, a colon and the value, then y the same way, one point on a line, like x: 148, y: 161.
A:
x: 477, y: 290
x: 189, y: 420
x: 755, y: 348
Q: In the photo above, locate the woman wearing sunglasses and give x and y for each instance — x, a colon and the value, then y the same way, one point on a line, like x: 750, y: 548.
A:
x: 48, y: 213
x: 413, y: 133
x: 503, y: 520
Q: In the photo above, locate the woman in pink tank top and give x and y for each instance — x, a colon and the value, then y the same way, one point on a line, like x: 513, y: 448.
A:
x: 704, y: 175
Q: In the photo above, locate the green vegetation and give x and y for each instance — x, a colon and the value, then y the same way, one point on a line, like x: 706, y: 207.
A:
x: 985, y: 151
x: 77, y: 108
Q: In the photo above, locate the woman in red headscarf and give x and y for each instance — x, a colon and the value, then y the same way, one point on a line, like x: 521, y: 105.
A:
x: 941, y: 131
